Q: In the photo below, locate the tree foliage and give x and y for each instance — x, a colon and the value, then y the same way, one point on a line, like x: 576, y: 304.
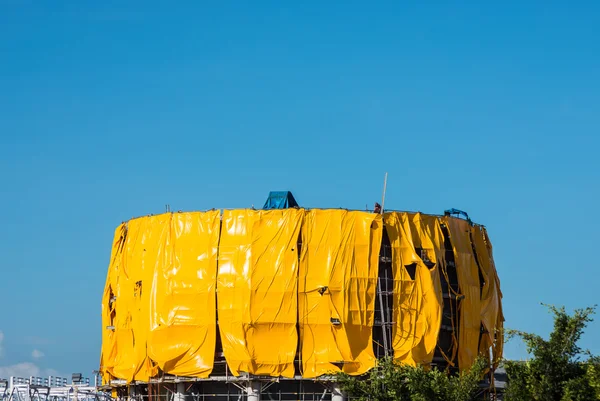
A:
x: 559, y: 370
x: 393, y: 382
x: 593, y: 373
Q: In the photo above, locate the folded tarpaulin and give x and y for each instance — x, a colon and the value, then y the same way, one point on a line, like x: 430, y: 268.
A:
x: 182, y: 336
x: 467, y: 271
x: 417, y: 290
x: 336, y: 291
x: 256, y: 290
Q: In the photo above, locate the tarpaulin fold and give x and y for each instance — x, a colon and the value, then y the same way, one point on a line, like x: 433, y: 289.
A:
x: 498, y: 334
x: 468, y: 281
x: 183, y: 322
x: 337, y: 289
x: 257, y: 290
x: 417, y: 296
x: 143, y: 252
x: 428, y: 236
x: 489, y: 294
x: 109, y: 350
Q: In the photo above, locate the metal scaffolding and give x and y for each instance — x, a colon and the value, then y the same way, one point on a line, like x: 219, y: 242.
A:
x: 50, y: 388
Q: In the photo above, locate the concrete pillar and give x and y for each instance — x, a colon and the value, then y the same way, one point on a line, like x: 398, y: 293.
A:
x: 336, y: 393
x: 132, y: 393
x: 179, y: 392
x: 253, y: 389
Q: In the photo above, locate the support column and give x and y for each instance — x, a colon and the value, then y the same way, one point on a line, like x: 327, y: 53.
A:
x: 336, y: 393
x: 179, y: 392
x: 253, y: 389
x: 132, y: 392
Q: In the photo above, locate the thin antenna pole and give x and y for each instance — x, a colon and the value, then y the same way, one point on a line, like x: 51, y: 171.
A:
x: 383, y: 197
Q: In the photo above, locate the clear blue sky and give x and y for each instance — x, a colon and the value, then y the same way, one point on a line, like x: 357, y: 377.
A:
x: 109, y: 111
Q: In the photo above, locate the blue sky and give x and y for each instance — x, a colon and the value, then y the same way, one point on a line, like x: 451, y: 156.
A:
x: 109, y: 111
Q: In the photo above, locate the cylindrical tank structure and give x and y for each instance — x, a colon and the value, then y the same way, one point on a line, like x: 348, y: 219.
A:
x: 264, y: 296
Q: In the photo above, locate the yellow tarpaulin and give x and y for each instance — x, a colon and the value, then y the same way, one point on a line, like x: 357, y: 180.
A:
x: 109, y: 353
x: 427, y: 235
x: 124, y: 362
x: 489, y: 295
x: 417, y: 291
x: 468, y: 281
x: 256, y: 290
x: 183, y: 317
x: 143, y: 251
x: 159, y: 309
x: 498, y: 345
x: 336, y: 292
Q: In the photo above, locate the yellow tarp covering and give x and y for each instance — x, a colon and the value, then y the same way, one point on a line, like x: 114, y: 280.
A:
x: 417, y: 290
x: 427, y: 235
x: 468, y: 281
x: 489, y: 295
x: 183, y: 309
x: 256, y: 290
x: 498, y: 338
x: 336, y: 292
x: 109, y: 353
x: 169, y: 276
x: 143, y: 252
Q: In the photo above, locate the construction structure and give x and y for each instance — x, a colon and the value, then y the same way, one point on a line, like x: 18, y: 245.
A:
x: 51, y: 388
x: 273, y: 303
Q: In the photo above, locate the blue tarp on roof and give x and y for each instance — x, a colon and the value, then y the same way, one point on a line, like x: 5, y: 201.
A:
x: 280, y: 200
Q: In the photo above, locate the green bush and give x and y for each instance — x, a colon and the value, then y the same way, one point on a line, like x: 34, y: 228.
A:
x: 393, y: 382
x: 557, y: 370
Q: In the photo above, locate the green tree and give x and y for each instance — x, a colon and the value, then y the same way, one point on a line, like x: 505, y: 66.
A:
x: 557, y: 370
x: 593, y: 373
x: 394, y: 382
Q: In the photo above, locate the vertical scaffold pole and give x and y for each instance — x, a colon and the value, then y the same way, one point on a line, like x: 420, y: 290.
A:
x: 382, y: 314
x: 253, y: 389
x: 383, y: 196
x: 179, y: 392
x: 336, y: 393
